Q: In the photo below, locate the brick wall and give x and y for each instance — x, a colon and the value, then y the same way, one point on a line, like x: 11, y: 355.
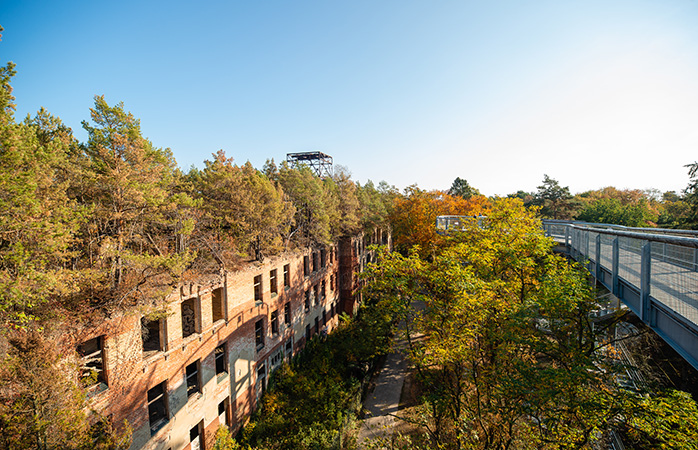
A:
x: 130, y: 373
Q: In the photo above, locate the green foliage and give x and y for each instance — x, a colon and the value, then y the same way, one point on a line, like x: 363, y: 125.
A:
x: 555, y: 201
x: 461, y: 188
x: 507, y: 354
x: 309, y: 401
x: 610, y: 210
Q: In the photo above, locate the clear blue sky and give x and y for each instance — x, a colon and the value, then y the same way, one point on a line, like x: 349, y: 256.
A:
x: 592, y: 93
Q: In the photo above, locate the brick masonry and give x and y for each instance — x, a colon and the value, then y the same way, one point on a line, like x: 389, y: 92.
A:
x: 130, y: 373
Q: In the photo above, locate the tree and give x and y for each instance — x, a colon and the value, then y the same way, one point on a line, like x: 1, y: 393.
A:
x: 242, y: 205
x: 554, y: 200
x: 39, y: 221
x: 413, y: 216
x: 507, y: 354
x: 461, y: 188
x: 41, y: 406
x: 131, y: 188
x: 311, y: 224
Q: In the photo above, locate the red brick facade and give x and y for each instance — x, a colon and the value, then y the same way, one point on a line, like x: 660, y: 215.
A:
x: 174, y: 387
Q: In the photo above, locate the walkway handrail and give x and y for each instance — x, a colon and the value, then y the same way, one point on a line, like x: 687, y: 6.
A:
x: 653, y: 271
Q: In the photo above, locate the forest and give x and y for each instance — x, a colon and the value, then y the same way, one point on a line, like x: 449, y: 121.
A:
x: 112, y: 224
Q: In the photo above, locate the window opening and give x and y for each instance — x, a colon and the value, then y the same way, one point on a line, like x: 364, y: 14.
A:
x: 217, y: 305
x: 275, y: 322
x: 157, y: 407
x: 193, y: 379
x: 92, y: 362
x: 196, y: 443
x: 273, y: 287
x: 287, y: 313
x: 189, y: 317
x: 221, y: 356
x: 287, y: 275
x: 259, y: 333
x: 258, y: 288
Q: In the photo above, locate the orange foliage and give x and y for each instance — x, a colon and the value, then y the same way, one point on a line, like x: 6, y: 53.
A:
x: 414, y: 216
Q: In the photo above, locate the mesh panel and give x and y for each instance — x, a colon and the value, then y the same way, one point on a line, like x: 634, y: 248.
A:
x: 673, y: 279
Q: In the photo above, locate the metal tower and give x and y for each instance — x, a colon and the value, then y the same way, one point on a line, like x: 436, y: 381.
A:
x: 319, y: 162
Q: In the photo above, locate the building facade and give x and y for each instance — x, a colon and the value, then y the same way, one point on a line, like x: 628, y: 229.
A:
x: 176, y: 375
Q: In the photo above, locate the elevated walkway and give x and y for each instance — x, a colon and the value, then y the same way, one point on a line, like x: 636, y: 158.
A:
x: 653, y: 271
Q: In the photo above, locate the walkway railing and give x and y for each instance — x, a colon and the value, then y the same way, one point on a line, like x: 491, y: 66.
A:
x: 653, y: 271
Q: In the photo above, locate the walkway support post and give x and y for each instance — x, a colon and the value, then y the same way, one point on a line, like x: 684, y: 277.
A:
x: 645, y: 271
x: 614, y: 267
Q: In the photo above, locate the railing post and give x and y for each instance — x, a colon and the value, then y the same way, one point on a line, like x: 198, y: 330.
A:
x: 663, y: 251
x: 614, y: 267
x: 645, y: 271
x: 598, y: 257
x: 586, y: 253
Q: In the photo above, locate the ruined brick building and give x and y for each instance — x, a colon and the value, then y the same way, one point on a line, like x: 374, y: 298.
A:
x: 206, y: 361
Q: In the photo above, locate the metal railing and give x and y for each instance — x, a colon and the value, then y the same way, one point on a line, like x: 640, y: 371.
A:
x: 653, y: 271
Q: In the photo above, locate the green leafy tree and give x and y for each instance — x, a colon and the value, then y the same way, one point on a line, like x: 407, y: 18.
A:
x: 554, y: 200
x: 311, y: 222
x: 461, y: 188
x: 38, y: 218
x: 131, y: 188
x: 507, y: 354
x: 243, y: 207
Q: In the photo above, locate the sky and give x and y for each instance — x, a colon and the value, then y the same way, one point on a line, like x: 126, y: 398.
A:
x: 500, y: 93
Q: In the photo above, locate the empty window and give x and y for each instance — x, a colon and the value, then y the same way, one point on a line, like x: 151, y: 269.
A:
x: 217, y: 304
x: 223, y: 415
x: 316, y: 294
x: 331, y: 255
x: 316, y: 266
x: 92, y: 361
x: 276, y: 359
x: 195, y: 440
x: 332, y: 282
x: 150, y: 335
x: 259, y: 333
x: 262, y: 377
x: 324, y: 317
x: 258, y: 288
x: 323, y: 291
x: 307, y: 332
x: 157, y: 407
x: 221, y: 356
x: 287, y: 313
x: 289, y: 347
x: 323, y: 258
x: 287, y: 275
x: 307, y: 300
x: 275, y: 322
x: 273, y: 287
x: 306, y: 266
x: 190, y: 319
x: 193, y: 378
x: 317, y: 325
